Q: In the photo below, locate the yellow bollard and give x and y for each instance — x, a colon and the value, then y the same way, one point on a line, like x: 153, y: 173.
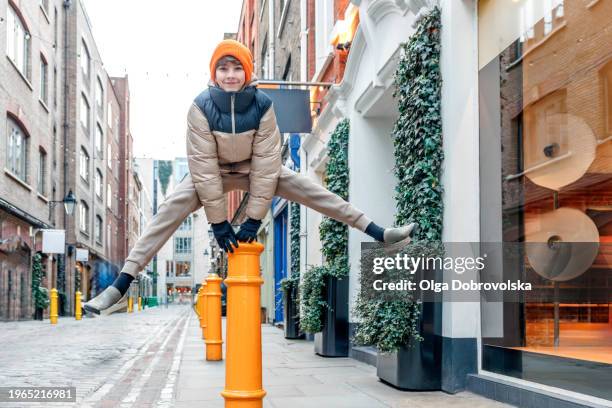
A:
x: 214, y: 342
x: 243, y: 369
x: 197, y: 303
x: 201, y: 307
x: 139, y: 303
x: 53, y: 312
x: 77, y: 306
x: 130, y: 307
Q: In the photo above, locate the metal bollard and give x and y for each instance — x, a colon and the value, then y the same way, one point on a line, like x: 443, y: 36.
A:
x: 214, y: 342
x: 130, y: 307
x: 139, y: 303
x: 77, y: 305
x: 53, y: 311
x: 243, y: 368
x: 201, y: 308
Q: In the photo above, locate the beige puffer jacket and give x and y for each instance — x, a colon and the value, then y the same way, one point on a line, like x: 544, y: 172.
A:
x: 233, y: 132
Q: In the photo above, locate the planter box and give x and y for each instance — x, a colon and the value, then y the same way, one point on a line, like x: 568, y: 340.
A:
x: 418, y: 365
x: 291, y: 315
x: 333, y: 340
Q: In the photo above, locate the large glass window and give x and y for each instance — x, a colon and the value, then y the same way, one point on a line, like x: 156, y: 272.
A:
x: 17, y: 41
x: 546, y: 186
x: 183, y: 268
x: 99, y: 142
x: 99, y: 95
x: 186, y: 225
x: 84, y: 165
x: 85, y: 114
x: 99, y: 229
x: 182, y: 245
x: 84, y: 217
x: 42, y: 172
x: 109, y: 196
x: 17, y: 150
x: 44, y: 80
x: 85, y: 60
x: 99, y: 184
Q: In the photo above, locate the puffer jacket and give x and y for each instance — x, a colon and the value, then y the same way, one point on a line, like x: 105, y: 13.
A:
x: 233, y: 132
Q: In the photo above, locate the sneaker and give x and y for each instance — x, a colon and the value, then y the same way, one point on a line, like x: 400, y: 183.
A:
x: 103, y: 301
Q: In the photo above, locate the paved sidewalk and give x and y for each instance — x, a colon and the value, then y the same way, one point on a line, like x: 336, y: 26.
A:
x: 294, y: 376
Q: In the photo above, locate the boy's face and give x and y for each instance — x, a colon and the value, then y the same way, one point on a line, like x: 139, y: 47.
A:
x: 230, y: 76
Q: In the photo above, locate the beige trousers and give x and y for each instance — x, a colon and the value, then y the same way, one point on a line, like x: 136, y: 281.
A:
x: 184, y: 200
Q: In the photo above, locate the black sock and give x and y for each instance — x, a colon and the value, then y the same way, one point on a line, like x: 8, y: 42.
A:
x: 375, y: 232
x: 123, y: 281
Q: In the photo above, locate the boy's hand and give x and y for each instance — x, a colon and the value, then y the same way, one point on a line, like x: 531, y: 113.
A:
x: 248, y: 230
x: 225, y: 236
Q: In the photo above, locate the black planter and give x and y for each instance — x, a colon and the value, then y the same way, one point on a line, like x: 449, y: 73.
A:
x: 291, y: 314
x: 333, y: 340
x: 418, y: 365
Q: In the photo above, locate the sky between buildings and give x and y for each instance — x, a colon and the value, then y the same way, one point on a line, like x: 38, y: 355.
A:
x: 165, y: 48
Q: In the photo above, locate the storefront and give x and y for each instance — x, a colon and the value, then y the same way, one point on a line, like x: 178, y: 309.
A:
x: 545, y: 153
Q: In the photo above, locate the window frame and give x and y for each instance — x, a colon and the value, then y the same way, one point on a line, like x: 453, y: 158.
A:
x: 85, y: 69
x: 99, y: 184
x: 84, y: 217
x: 44, y: 80
x: 14, y: 124
x: 98, y: 229
x: 41, y: 185
x: 85, y: 108
x: 84, y: 163
x: 18, y: 51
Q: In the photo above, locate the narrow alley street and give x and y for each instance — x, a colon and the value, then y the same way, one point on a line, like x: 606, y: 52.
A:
x: 155, y: 358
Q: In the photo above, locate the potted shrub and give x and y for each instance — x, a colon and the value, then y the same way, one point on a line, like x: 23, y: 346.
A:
x: 403, y: 329
x: 324, y: 290
x: 289, y: 287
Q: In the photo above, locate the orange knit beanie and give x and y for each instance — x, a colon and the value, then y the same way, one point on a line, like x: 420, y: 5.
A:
x: 236, y: 50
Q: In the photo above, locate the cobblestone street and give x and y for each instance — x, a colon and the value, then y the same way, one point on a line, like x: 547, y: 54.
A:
x: 155, y: 358
x: 121, y: 360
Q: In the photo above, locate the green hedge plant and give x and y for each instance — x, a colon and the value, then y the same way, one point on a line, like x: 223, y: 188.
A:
x: 334, y: 237
x: 417, y: 140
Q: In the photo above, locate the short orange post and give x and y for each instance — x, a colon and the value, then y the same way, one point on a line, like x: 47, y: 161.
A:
x: 202, y: 307
x: 214, y: 342
x: 243, y: 370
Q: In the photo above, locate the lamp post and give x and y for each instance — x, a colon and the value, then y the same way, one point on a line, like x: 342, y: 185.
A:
x: 69, y: 202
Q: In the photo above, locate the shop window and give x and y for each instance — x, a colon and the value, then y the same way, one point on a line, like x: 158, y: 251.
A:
x: 546, y: 167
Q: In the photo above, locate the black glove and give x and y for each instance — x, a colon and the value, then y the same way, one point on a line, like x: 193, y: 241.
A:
x: 248, y: 230
x: 225, y: 236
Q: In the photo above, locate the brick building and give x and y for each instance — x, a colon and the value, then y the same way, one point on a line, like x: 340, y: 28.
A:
x: 68, y: 132
x: 30, y: 152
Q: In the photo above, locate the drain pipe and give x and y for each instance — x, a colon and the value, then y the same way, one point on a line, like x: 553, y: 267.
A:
x: 272, y: 71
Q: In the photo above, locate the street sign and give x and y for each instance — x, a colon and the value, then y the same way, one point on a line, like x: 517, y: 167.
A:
x: 292, y: 109
x: 82, y: 254
x: 54, y: 241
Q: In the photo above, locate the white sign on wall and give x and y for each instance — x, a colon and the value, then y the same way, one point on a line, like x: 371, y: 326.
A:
x: 82, y: 254
x: 53, y: 241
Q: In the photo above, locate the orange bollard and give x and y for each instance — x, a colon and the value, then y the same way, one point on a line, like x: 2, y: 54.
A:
x: 202, y: 308
x: 243, y: 370
x: 214, y: 342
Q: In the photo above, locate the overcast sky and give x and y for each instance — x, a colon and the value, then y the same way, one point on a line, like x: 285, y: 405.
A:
x: 164, y: 47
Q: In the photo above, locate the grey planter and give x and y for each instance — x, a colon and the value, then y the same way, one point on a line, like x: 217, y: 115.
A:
x: 417, y: 366
x: 333, y: 340
x: 291, y: 315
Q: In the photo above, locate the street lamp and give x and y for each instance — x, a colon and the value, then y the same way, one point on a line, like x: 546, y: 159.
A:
x: 69, y: 203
